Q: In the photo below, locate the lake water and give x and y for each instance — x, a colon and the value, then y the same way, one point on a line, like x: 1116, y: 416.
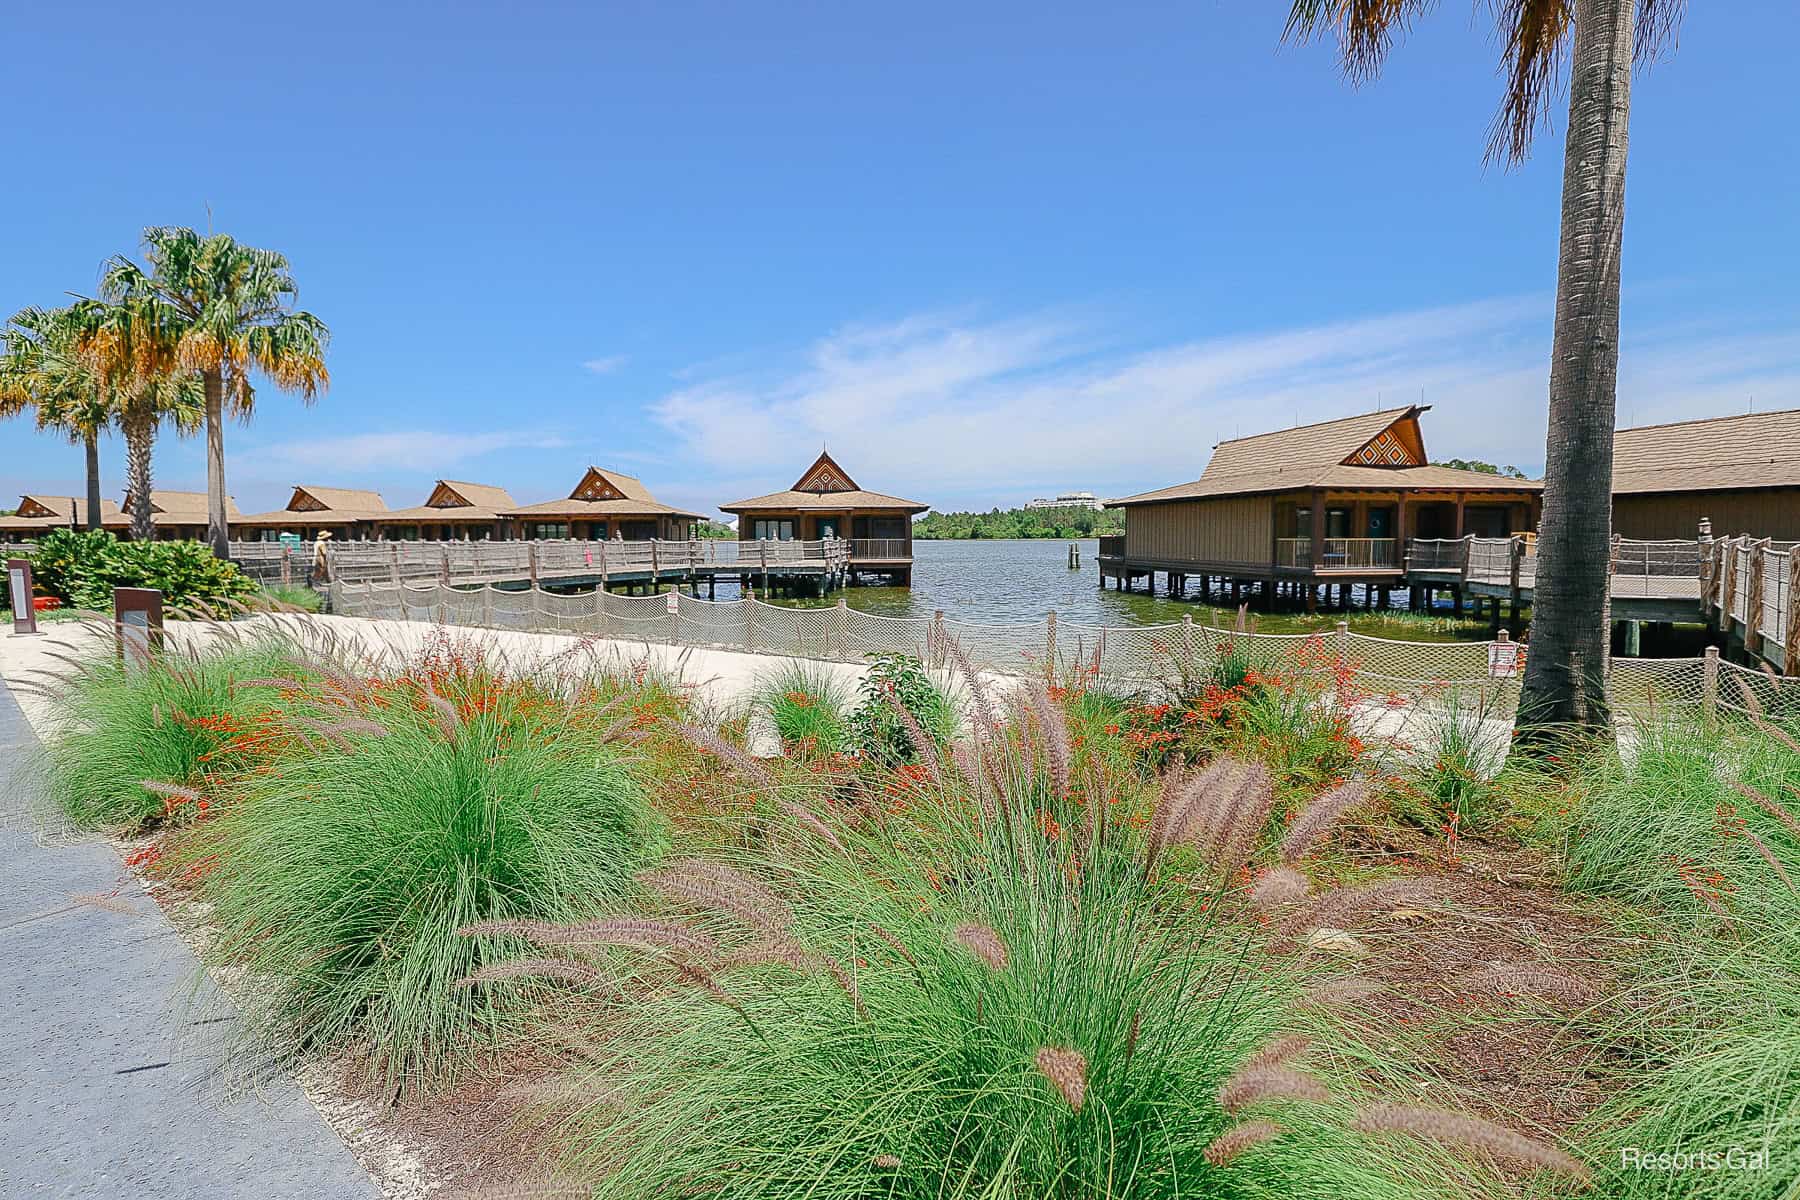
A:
x: 1009, y: 582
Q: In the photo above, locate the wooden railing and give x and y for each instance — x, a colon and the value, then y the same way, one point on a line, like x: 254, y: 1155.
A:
x: 451, y: 562
x: 881, y: 549
x: 1338, y: 554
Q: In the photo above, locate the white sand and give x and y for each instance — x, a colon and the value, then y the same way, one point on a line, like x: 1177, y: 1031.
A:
x: 718, y: 679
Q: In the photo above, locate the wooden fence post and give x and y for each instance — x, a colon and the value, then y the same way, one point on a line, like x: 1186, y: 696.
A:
x: 487, y: 605
x: 1709, y: 682
x: 531, y: 560
x: 938, y: 651
x: 655, y: 564
x: 394, y: 561
x: 1728, y: 588
x: 444, y: 573
x: 1790, y: 616
x: 1189, y: 654
x: 1049, y: 648
x: 1753, y: 602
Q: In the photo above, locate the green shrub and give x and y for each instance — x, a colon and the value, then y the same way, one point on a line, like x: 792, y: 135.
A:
x: 173, y: 719
x: 341, y: 875
x: 83, y: 568
x: 877, y: 731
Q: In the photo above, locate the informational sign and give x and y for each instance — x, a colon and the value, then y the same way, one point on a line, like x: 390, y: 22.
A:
x: 138, y: 622
x: 18, y: 591
x: 1503, y: 659
x: 290, y: 540
x: 674, y: 605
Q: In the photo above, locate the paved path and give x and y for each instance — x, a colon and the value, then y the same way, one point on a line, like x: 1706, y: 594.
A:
x: 106, y: 1080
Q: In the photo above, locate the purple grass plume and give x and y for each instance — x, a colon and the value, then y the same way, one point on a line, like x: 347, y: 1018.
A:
x: 1067, y: 1071
x: 1239, y: 1138
x: 1470, y: 1133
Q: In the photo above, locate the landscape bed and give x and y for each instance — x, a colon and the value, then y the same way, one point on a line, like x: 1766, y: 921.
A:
x: 939, y: 935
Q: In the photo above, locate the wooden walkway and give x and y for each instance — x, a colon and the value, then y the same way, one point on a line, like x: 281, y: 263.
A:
x: 818, y: 565
x: 1744, y: 587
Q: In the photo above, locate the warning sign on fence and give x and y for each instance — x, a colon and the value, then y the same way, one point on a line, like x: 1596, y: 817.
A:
x: 1503, y: 659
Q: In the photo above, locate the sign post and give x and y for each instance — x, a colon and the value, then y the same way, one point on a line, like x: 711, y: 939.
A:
x: 137, y: 623
x: 18, y: 589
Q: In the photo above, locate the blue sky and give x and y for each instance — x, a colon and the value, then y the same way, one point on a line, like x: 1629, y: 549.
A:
x: 985, y: 252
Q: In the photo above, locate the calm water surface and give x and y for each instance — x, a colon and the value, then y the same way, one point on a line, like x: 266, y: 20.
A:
x: 1009, y: 582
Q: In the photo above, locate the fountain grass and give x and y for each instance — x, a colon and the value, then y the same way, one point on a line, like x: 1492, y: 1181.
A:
x: 168, y: 720
x: 401, y: 810
x: 989, y: 991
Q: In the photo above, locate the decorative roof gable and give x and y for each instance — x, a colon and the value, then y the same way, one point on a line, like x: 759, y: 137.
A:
x: 1399, y: 445
x: 596, y: 486
x: 825, y: 476
x: 445, y: 496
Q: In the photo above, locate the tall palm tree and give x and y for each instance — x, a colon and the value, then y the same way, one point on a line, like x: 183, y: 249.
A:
x: 41, y: 368
x: 1565, y: 674
x: 222, y: 310
x: 122, y: 344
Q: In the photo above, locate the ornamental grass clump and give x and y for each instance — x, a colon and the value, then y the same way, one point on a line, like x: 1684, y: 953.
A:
x: 809, y: 707
x: 991, y: 993
x: 149, y: 742
x: 1702, y: 829
x: 340, y: 876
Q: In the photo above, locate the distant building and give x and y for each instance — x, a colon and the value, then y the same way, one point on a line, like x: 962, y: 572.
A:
x: 1069, y: 500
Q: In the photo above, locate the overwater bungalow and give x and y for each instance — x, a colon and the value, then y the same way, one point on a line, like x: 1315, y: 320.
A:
x: 173, y: 515
x: 38, y: 515
x: 348, y: 514
x: 605, y: 504
x: 1316, y: 505
x: 456, y: 511
x: 826, y: 503
x: 1741, y: 473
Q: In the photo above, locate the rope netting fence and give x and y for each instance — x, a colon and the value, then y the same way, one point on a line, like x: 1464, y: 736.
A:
x: 1387, y: 676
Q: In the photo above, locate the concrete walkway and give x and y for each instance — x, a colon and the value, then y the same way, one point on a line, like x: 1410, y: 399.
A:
x: 107, y: 1056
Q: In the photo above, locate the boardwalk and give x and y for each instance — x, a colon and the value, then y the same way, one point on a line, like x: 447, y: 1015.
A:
x: 790, y: 565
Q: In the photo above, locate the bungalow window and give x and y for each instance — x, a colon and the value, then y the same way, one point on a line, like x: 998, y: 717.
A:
x: 881, y: 527
x: 1337, y: 523
x: 547, y: 529
x: 773, y: 530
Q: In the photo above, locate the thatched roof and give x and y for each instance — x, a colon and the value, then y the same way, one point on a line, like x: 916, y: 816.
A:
x: 602, y: 495
x: 311, y: 505
x: 175, y: 508
x: 1754, y: 450
x: 824, y: 487
x: 1377, y: 451
x: 455, y: 500
x: 40, y: 514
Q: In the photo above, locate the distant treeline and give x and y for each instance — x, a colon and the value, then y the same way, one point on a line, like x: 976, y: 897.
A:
x: 1020, y: 523
x: 713, y: 531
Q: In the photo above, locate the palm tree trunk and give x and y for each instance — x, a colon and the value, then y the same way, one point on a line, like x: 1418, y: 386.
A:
x: 140, y: 436
x: 1571, y: 627
x: 91, y: 445
x: 218, y: 533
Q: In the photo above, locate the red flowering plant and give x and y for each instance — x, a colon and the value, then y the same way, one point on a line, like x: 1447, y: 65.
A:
x: 144, y: 743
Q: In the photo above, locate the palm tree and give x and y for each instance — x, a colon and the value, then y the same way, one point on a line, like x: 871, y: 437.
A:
x: 41, y: 368
x: 1565, y: 674
x: 223, y: 311
x: 122, y: 344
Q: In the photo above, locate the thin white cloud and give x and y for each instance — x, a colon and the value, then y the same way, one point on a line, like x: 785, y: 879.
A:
x: 956, y: 410
x: 605, y: 365
x: 403, y: 450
